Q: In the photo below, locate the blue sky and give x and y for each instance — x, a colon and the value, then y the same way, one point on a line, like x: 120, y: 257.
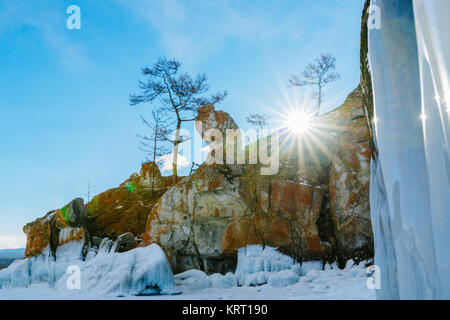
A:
x: 65, y: 117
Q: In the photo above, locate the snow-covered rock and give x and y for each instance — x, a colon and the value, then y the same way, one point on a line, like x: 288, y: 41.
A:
x: 139, y: 271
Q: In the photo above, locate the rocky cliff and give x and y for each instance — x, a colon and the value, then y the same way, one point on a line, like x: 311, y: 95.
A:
x: 315, y: 208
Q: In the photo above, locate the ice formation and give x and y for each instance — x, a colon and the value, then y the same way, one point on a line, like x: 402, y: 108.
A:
x: 194, y: 280
x: 139, y: 271
x: 410, y: 179
x: 268, y: 274
x: 264, y: 273
x: 257, y: 266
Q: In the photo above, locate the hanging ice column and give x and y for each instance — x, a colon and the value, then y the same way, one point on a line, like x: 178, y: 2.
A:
x: 410, y: 183
x: 433, y: 25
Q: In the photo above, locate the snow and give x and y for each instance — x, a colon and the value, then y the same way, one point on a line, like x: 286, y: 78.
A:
x: 316, y: 284
x: 283, y: 278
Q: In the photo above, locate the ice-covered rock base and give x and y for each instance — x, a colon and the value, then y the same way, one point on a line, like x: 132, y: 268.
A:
x: 260, y: 274
x: 268, y: 274
x: 141, y: 271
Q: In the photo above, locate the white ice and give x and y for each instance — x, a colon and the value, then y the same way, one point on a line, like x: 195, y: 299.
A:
x: 263, y: 273
x: 329, y: 284
x: 136, y: 272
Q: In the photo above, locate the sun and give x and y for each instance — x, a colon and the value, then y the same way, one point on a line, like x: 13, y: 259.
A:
x: 299, y: 122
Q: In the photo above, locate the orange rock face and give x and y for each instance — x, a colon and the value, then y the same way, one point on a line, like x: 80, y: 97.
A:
x: 45, y: 232
x: 39, y: 235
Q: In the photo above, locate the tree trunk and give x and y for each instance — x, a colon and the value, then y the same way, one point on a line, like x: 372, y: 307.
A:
x: 175, y: 152
x: 319, y: 101
x: 154, y: 143
x: 154, y: 156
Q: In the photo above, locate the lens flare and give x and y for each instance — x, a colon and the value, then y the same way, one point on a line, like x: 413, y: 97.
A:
x: 299, y: 122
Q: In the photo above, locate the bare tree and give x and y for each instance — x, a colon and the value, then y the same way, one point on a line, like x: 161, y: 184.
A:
x: 179, y: 94
x: 258, y: 120
x: 153, y: 145
x: 317, y: 74
x: 160, y: 133
x: 88, y: 195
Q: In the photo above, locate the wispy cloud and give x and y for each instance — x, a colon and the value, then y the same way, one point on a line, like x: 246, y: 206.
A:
x: 12, y: 242
x: 49, y: 19
x: 191, y: 30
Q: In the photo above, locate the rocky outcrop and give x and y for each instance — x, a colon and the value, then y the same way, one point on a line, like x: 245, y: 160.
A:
x: 125, y: 209
x: 120, y: 213
x: 45, y: 232
x: 315, y: 207
x: 210, y: 118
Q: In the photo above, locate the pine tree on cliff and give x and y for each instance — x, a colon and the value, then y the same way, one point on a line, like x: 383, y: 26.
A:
x: 178, y: 94
x: 317, y: 74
